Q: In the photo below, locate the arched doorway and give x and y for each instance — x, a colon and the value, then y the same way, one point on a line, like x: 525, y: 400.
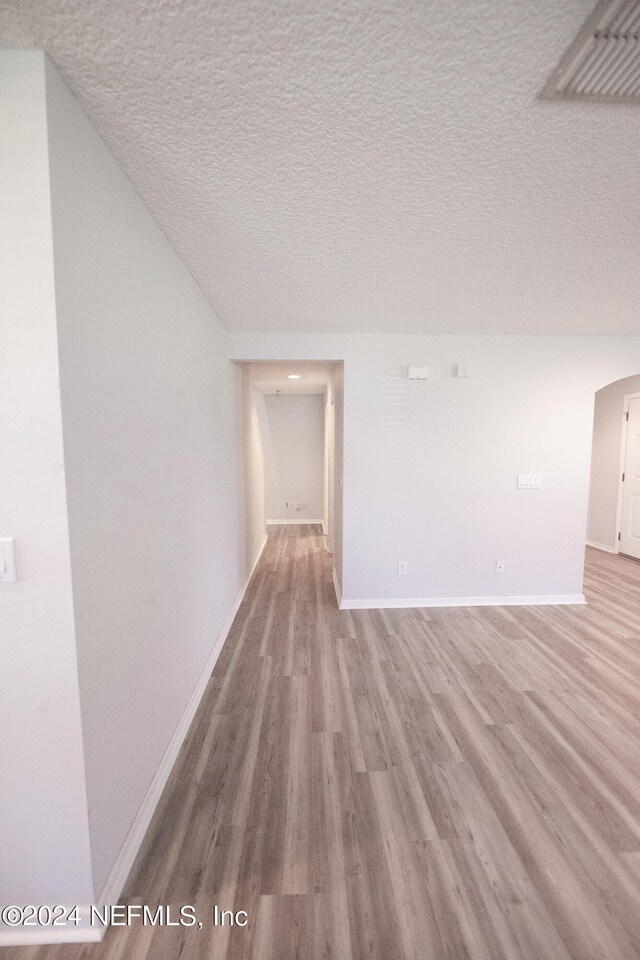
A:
x: 614, y: 494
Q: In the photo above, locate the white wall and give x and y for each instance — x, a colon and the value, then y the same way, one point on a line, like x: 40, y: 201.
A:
x: 254, y: 497
x: 294, y: 473
x: 152, y: 438
x: 44, y: 840
x: 605, y: 461
x: 430, y: 466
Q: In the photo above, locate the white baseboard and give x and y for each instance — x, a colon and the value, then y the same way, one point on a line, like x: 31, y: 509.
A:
x: 524, y: 601
x: 336, y: 587
x: 601, y: 546
x: 110, y: 893
x: 289, y: 523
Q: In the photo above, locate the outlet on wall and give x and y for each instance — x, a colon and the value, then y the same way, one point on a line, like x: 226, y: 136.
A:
x: 499, y: 566
x: 402, y: 568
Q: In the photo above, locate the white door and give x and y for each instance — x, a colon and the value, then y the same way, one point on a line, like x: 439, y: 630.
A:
x: 630, y: 527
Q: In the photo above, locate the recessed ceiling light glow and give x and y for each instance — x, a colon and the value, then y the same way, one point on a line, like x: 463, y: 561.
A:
x: 294, y: 376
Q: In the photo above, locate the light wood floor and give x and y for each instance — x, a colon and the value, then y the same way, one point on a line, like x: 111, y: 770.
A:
x: 444, y: 783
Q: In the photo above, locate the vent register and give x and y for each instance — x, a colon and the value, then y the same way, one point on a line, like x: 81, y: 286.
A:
x: 603, y: 62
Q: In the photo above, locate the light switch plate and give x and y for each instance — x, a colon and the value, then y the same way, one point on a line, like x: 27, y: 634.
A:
x: 529, y: 481
x: 7, y: 560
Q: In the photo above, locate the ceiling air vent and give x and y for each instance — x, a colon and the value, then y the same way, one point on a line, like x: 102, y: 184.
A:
x: 603, y: 62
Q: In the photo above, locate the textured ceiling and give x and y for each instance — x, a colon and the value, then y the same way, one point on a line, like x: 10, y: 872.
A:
x: 383, y: 165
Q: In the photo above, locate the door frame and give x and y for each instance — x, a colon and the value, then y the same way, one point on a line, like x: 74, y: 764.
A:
x: 623, y: 458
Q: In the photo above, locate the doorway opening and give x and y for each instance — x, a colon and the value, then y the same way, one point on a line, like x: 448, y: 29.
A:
x: 613, y: 524
x: 293, y: 429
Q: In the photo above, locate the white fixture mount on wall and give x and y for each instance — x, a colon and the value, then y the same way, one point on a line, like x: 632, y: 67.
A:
x: 462, y: 371
x: 294, y: 376
x: 418, y: 373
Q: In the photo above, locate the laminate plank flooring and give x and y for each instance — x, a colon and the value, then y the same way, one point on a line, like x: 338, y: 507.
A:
x: 377, y: 785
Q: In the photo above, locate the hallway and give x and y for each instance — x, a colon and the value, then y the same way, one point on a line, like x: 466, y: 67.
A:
x: 438, y: 783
